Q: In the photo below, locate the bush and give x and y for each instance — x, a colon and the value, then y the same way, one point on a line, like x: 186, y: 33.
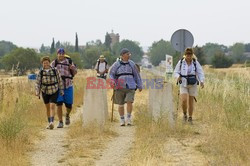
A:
x: 219, y: 60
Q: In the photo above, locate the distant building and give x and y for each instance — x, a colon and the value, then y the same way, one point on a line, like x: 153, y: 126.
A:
x: 115, y: 38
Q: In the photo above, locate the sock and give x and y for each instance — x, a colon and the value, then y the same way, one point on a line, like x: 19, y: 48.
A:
x: 61, y: 121
x: 52, y: 119
x: 49, y: 119
x: 122, y: 117
x: 128, y: 115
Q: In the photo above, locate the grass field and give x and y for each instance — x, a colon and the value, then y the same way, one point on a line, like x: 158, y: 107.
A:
x: 221, y: 122
x: 23, y: 115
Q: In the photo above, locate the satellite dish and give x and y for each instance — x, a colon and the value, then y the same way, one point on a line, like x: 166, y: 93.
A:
x: 181, y: 39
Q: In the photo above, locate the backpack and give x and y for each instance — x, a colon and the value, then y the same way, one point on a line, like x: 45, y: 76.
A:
x: 121, y: 74
x: 41, y: 74
x: 70, y: 62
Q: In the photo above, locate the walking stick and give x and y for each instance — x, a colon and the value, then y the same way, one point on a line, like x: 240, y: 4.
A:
x: 178, y: 99
x: 112, y: 107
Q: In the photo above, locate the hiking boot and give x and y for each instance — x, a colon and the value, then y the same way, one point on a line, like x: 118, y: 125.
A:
x: 51, y: 126
x: 60, y: 125
x: 185, y: 118
x: 67, y: 120
x: 122, y: 122
x: 129, y: 121
x: 190, y: 120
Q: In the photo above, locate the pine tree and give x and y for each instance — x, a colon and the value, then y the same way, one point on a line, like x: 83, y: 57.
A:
x: 76, y: 44
x: 58, y: 44
x: 108, y: 41
x: 42, y: 49
x: 52, y: 48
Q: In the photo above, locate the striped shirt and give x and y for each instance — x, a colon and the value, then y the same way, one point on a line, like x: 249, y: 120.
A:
x: 127, y: 72
x: 48, y: 81
x: 63, y: 68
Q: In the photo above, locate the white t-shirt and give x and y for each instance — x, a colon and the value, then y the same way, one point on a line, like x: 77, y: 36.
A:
x: 102, y: 67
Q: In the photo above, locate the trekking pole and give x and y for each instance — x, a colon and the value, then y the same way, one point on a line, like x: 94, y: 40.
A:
x: 178, y: 99
x: 112, y: 107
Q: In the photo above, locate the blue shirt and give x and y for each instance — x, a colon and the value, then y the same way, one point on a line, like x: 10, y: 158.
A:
x: 126, y: 74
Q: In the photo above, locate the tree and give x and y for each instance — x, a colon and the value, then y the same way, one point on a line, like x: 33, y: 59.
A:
x: 158, y: 51
x: 52, y: 48
x: 26, y: 58
x: 237, y: 52
x: 90, y: 56
x: 134, y: 48
x: 76, y: 58
x: 247, y: 47
x: 108, y: 41
x: 6, y: 47
x: 76, y: 44
x: 211, y: 48
x: 58, y: 44
x: 198, y: 51
x: 219, y: 60
x: 44, y: 49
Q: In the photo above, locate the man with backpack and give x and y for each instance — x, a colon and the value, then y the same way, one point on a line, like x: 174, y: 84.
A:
x: 102, y: 67
x: 126, y: 79
x: 189, y: 74
x: 67, y: 70
x: 49, y: 82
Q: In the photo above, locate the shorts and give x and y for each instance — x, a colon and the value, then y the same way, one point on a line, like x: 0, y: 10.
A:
x: 50, y: 98
x: 67, y: 98
x: 123, y: 96
x: 191, y: 90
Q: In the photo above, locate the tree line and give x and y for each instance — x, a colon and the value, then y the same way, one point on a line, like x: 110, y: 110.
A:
x: 86, y: 56
x: 217, y: 55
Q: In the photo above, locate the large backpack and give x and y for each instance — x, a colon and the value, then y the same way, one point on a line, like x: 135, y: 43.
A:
x: 121, y: 74
x: 41, y: 75
x: 70, y: 63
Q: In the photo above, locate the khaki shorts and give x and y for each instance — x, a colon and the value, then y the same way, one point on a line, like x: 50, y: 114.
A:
x: 191, y: 90
x: 123, y: 96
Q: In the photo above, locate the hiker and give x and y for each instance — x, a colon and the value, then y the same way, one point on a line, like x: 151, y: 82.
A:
x: 67, y: 70
x: 102, y: 67
x: 126, y: 80
x: 49, y: 82
x: 189, y: 74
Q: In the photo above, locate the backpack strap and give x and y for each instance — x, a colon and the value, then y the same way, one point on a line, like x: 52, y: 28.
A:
x: 121, y: 74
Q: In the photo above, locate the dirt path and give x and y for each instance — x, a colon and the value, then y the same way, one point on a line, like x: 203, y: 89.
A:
x: 117, y: 150
x: 184, y: 151
x: 51, y: 148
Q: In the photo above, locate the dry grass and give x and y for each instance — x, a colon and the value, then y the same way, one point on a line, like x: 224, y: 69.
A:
x: 22, y: 115
x: 222, y: 118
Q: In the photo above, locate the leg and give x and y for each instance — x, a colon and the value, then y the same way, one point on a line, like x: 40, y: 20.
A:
x: 52, y: 111
x: 48, y: 111
x: 190, y: 105
x: 184, y: 103
x: 68, y: 109
x: 121, y: 112
x: 59, y: 112
x: 129, y: 100
x: 129, y: 107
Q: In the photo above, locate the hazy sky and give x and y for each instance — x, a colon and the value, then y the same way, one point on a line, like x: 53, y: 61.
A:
x: 33, y: 22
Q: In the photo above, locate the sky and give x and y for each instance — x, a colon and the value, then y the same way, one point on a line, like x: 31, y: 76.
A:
x: 29, y: 23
